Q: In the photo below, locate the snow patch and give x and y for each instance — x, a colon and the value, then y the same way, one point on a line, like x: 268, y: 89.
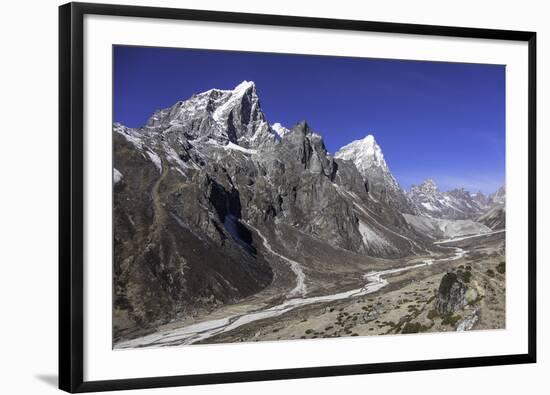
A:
x: 173, y: 157
x: 117, y: 176
x: 233, y: 146
x: 130, y: 135
x: 280, y: 130
x: 234, y: 97
x: 429, y: 206
x: 155, y: 159
x: 232, y: 224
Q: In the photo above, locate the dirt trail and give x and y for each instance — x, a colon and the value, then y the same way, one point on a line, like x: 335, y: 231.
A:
x: 160, y: 215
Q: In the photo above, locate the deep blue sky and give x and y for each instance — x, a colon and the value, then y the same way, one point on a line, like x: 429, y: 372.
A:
x: 444, y: 121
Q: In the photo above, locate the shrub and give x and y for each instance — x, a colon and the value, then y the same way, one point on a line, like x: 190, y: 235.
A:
x: 466, y: 276
x: 475, y: 301
x: 309, y: 331
x: 433, y: 314
x: 490, y: 273
x: 389, y: 323
x: 450, y: 319
x: 414, y: 327
x: 501, y: 267
x: 411, y: 327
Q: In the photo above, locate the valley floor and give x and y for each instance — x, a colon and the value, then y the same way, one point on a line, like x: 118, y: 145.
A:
x: 398, y: 299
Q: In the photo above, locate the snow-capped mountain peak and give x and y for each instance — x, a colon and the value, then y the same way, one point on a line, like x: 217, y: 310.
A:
x: 239, y: 90
x: 365, y: 153
x: 221, y: 115
x: 367, y: 156
x: 234, y: 98
x: 244, y: 86
x: 280, y: 130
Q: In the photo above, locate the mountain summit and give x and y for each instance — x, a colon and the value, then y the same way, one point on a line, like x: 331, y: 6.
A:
x: 365, y: 153
x: 225, y: 116
x: 367, y: 156
x: 499, y: 197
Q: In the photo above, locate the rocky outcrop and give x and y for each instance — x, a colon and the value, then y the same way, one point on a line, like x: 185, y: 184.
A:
x: 468, y: 322
x: 451, y: 295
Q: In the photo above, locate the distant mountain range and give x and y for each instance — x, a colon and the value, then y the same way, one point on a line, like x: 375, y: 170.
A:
x: 204, y: 182
x: 455, y: 204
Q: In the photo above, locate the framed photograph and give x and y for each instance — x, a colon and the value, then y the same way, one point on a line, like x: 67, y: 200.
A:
x: 250, y: 197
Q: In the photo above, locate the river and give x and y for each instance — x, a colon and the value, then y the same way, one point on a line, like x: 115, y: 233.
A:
x: 194, y: 333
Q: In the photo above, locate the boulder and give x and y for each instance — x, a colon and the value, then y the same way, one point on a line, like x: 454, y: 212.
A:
x: 371, y: 315
x: 451, y: 295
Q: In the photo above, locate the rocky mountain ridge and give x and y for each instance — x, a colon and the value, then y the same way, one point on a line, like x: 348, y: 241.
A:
x: 456, y: 204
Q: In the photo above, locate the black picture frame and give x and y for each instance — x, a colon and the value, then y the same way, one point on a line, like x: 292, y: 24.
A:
x: 71, y: 197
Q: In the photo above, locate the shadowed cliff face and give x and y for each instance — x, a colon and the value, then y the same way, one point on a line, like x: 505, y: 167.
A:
x: 190, y: 186
x: 176, y: 249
